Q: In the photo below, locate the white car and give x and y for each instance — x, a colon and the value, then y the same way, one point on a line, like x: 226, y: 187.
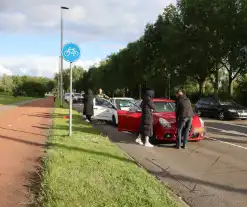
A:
x: 76, y: 97
x: 107, y: 110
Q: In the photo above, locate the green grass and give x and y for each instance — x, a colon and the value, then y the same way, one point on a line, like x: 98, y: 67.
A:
x: 4, y: 99
x: 88, y: 170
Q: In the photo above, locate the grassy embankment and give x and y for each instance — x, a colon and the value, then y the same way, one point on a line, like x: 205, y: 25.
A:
x: 88, y: 170
x: 4, y: 100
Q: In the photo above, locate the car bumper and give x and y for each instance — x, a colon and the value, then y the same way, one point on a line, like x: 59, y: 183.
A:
x: 196, y: 134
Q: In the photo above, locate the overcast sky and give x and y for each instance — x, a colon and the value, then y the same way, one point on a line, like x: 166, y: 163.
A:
x: 30, y: 30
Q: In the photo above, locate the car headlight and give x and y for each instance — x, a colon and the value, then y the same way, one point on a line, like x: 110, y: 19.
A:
x: 201, y: 121
x: 232, y: 110
x: 164, y: 123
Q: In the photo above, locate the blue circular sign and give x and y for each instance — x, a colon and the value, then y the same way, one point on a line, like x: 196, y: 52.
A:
x: 71, y: 52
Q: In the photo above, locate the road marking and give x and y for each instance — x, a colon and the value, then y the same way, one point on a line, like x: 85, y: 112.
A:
x: 218, y: 122
x: 235, y: 145
x: 228, y: 131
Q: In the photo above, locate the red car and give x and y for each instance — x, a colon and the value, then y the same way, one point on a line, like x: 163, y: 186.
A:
x: 164, y: 121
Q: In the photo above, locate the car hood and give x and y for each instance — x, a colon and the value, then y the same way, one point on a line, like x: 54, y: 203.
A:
x: 169, y: 116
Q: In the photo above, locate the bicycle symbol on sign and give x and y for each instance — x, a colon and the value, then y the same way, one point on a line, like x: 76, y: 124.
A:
x: 71, y: 51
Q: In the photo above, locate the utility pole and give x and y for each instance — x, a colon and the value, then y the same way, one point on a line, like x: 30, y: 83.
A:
x: 61, y: 59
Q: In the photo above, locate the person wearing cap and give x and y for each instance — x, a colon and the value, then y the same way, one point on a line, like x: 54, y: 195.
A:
x: 184, y: 114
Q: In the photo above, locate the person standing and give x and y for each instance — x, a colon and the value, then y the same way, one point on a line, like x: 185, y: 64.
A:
x: 102, y: 95
x: 184, y: 114
x: 88, y: 105
x: 146, y: 125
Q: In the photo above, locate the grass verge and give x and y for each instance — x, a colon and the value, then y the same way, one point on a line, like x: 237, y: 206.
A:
x: 88, y: 170
x: 4, y: 100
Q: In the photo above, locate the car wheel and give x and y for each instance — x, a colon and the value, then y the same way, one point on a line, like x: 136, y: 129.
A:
x: 114, y: 123
x: 221, y: 116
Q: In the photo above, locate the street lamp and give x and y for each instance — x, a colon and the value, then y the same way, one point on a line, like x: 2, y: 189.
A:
x: 61, y: 56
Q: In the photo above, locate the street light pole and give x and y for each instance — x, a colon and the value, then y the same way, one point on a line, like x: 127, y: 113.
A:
x: 61, y: 56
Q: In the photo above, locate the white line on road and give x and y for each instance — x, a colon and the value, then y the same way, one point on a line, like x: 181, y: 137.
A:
x: 227, y: 123
x: 228, y: 131
x: 235, y: 145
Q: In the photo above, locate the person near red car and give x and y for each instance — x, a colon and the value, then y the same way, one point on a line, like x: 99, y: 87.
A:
x: 146, y: 125
x: 184, y: 114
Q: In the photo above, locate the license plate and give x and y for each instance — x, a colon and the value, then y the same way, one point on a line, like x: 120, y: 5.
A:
x: 199, y: 130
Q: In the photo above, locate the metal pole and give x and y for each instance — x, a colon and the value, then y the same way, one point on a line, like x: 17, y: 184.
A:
x: 61, y: 59
x: 70, y: 103
x: 169, y: 82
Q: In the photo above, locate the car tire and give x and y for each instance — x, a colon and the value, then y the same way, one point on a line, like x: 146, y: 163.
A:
x: 114, y: 123
x: 221, y: 115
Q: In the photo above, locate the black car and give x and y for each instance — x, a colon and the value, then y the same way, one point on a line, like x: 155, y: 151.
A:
x: 214, y: 107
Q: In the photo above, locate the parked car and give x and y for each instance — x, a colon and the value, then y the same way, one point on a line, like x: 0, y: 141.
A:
x: 76, y: 97
x: 104, y: 110
x: 214, y: 107
x: 164, y: 121
x: 122, y: 103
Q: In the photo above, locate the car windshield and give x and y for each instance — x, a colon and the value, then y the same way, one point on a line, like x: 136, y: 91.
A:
x: 228, y: 103
x: 162, y: 106
x: 121, y: 103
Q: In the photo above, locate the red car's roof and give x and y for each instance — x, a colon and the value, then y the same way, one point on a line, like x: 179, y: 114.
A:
x: 162, y: 99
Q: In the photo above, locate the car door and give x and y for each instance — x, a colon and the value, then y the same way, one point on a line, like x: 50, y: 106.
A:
x: 213, y: 107
x: 100, y: 109
x: 206, y: 107
x: 129, y: 120
x: 110, y: 110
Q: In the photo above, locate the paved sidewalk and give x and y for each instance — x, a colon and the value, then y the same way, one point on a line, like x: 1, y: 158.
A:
x: 23, y: 133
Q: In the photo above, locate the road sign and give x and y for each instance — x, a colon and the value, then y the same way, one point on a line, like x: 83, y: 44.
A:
x: 71, y: 52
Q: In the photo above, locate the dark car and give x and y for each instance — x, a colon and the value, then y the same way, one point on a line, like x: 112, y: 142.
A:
x: 214, y: 107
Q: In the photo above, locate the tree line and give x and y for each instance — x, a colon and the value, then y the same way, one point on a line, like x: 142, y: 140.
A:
x: 196, y: 45
x: 25, y: 85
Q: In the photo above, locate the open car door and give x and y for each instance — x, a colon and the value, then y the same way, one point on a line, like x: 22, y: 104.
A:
x: 129, y: 120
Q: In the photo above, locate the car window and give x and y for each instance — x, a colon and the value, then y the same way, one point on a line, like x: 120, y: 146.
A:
x: 163, y: 106
x: 206, y: 101
x: 102, y: 102
x: 120, y: 103
x: 229, y: 103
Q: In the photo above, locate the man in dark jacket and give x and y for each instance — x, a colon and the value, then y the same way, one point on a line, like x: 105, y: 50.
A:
x: 146, y: 128
x: 184, y: 114
x: 88, y: 105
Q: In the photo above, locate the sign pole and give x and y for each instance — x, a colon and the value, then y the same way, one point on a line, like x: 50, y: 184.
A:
x: 70, y: 103
x: 70, y: 53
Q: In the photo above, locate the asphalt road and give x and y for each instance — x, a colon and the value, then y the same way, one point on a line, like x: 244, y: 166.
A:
x: 209, y: 173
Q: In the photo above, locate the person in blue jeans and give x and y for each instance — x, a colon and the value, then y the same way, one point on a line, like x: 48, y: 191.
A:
x: 184, y: 114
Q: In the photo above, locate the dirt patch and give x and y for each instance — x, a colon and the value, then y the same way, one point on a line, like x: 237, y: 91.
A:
x: 21, y: 148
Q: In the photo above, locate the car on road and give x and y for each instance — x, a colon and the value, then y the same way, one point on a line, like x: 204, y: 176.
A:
x: 214, y: 107
x: 76, y: 97
x: 164, y: 122
x: 106, y: 110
